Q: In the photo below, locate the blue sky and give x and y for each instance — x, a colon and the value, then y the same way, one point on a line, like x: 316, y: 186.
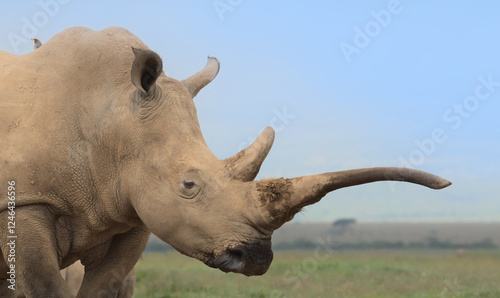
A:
x: 346, y: 84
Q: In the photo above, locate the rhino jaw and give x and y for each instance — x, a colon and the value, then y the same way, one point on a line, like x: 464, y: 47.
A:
x: 246, y: 259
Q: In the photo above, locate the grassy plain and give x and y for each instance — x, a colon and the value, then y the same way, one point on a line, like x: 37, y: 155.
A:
x: 321, y: 273
x: 390, y: 231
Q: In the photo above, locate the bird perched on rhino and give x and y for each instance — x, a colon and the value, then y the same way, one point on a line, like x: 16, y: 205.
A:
x: 37, y: 42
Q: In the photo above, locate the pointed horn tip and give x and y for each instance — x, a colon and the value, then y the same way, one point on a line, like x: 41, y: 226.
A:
x: 212, y: 57
x: 269, y: 131
x: 268, y: 135
x: 443, y: 183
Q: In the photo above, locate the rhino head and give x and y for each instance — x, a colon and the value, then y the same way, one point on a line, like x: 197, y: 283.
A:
x: 205, y: 207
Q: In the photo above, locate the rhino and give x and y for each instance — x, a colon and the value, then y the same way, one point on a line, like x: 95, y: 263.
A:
x: 100, y: 148
x: 73, y: 275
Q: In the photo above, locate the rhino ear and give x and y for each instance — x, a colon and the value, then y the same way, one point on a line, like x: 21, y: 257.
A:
x: 146, y: 68
x: 200, y: 79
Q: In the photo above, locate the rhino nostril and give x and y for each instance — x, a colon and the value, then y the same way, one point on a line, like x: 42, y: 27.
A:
x: 240, y: 259
x: 237, y: 253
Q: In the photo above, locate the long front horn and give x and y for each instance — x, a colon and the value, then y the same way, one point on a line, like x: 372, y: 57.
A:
x: 245, y: 165
x: 283, y: 198
x: 200, y: 79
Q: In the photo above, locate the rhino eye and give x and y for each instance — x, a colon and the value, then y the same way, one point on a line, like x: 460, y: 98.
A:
x: 189, y: 184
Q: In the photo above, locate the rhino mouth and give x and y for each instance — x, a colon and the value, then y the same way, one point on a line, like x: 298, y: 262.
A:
x: 248, y: 259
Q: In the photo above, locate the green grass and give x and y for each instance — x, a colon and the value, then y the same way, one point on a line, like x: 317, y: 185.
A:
x: 348, y: 274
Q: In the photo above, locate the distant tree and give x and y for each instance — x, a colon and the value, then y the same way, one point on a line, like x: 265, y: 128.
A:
x: 344, y: 222
x: 340, y: 226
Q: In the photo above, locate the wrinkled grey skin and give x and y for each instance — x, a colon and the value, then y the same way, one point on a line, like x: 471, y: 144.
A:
x: 104, y: 148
